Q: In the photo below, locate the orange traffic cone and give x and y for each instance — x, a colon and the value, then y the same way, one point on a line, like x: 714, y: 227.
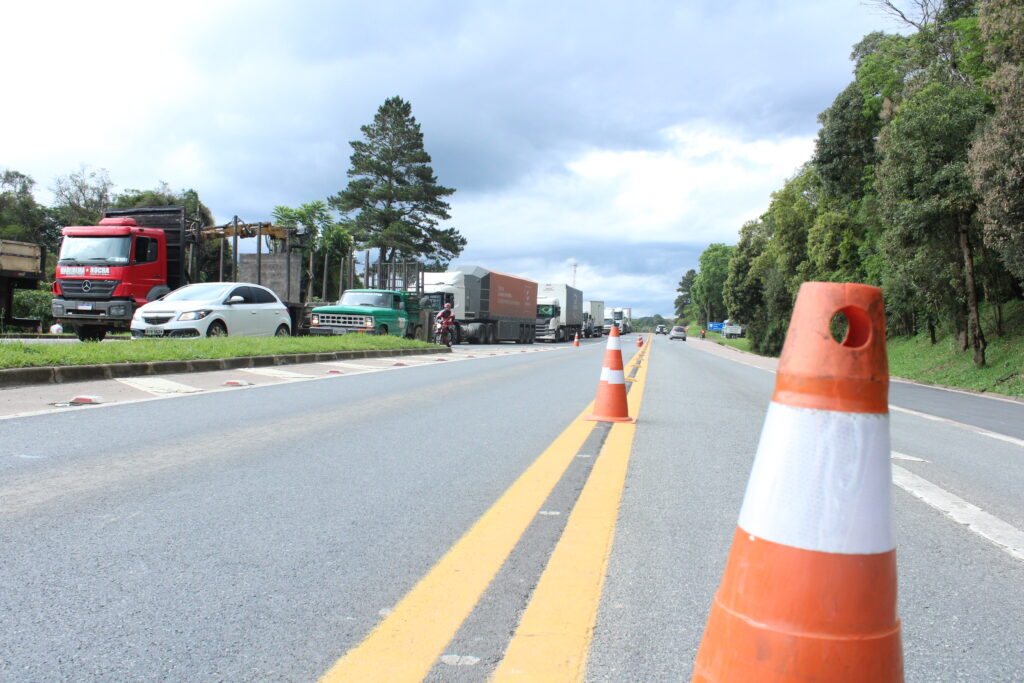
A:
x: 809, y: 589
x: 610, y: 404
x: 640, y: 341
x: 576, y: 341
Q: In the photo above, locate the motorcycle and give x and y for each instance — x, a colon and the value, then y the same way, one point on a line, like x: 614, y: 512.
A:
x: 444, y: 332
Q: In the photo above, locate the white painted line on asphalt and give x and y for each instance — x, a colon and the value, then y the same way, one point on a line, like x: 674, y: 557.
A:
x: 1007, y: 537
x: 354, y: 366
x: 275, y: 372
x: 904, y: 456
x: 158, y: 386
x: 459, y: 660
x: 977, y: 430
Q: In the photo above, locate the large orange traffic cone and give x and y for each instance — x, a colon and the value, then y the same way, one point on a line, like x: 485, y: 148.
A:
x: 809, y: 589
x: 576, y: 341
x: 610, y: 404
x: 640, y: 341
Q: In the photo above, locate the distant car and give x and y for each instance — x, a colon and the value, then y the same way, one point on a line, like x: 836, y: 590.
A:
x: 213, y: 309
x: 660, y: 329
x: 677, y: 333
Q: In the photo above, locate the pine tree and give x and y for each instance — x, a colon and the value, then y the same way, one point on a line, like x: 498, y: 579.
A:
x: 393, y: 193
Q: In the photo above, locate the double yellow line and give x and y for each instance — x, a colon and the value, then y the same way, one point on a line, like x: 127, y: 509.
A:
x: 553, y: 638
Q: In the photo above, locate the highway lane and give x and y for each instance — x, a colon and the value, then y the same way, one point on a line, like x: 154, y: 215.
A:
x: 258, y: 533
x: 266, y: 530
x: 685, y: 488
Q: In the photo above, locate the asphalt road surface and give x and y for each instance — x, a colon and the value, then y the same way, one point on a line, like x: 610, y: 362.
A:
x: 261, y: 524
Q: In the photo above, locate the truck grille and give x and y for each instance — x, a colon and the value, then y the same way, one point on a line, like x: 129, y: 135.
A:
x: 98, y: 289
x: 344, y: 320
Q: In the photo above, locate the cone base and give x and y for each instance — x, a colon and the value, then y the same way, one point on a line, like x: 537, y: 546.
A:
x: 609, y: 418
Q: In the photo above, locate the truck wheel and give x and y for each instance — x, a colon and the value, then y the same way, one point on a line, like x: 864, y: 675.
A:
x: 90, y: 333
x: 383, y: 330
x: 216, y: 329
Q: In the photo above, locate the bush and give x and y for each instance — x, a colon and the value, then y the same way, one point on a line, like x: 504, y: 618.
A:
x: 33, y: 303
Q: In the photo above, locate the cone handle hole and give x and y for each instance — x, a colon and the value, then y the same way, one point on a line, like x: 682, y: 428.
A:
x: 851, y: 327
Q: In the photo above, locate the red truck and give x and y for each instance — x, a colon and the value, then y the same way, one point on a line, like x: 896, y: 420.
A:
x: 106, y: 271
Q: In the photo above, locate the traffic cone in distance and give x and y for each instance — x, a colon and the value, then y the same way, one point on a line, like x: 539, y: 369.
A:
x: 809, y: 588
x: 610, y: 404
x: 640, y: 341
x: 576, y: 341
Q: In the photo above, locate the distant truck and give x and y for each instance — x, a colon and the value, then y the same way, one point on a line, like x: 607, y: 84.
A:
x: 22, y: 266
x: 106, y: 271
x: 489, y: 306
x: 731, y: 330
x: 370, y: 311
x: 623, y: 318
x: 593, y: 318
x: 559, y: 312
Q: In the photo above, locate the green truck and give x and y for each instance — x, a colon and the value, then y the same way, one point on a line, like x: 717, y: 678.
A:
x: 370, y: 311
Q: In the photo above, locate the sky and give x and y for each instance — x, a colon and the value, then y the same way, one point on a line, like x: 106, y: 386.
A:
x: 606, y: 143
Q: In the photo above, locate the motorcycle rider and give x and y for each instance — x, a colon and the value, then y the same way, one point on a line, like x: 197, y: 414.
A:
x: 445, y: 318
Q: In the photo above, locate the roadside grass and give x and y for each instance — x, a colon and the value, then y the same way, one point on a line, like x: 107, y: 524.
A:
x: 743, y: 344
x: 916, y: 358
x: 23, y: 355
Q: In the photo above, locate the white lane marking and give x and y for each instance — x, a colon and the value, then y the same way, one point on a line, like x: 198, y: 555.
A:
x: 549, y: 513
x: 459, y: 660
x: 977, y: 430
x: 354, y: 366
x: 993, y: 529
x: 275, y: 372
x: 158, y: 386
x: 904, y: 456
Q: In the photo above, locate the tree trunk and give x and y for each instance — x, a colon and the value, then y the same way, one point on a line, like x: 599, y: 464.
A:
x: 323, y: 286
x: 931, y: 331
x: 977, y: 337
x: 312, y: 276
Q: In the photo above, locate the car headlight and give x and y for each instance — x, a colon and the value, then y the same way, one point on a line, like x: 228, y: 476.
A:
x: 314, y: 320
x: 194, y: 315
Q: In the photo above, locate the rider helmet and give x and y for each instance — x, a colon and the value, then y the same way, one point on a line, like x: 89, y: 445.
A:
x: 447, y: 305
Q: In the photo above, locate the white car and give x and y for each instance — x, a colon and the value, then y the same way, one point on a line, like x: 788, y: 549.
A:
x: 213, y: 309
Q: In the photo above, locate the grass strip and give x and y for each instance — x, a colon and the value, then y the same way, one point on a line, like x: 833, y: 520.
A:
x: 25, y: 355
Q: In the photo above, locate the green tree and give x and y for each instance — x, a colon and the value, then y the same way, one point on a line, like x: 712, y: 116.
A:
x: 684, y: 299
x: 708, y: 287
x: 81, y: 197
x: 21, y: 217
x: 395, y: 198
x: 924, y: 188
x: 996, y: 161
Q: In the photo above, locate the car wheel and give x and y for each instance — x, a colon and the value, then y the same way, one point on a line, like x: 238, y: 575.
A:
x: 282, y: 331
x: 216, y: 329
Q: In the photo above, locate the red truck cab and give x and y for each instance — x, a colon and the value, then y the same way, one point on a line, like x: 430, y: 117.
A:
x: 106, y: 271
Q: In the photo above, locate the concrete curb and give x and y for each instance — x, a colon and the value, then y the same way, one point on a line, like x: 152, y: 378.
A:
x: 13, y: 377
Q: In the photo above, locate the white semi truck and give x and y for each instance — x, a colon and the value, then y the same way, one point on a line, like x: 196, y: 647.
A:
x: 559, y: 312
x: 593, y: 318
x: 623, y: 318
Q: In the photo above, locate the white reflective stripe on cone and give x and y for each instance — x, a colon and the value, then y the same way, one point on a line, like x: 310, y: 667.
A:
x: 613, y: 376
x: 614, y: 343
x: 822, y: 481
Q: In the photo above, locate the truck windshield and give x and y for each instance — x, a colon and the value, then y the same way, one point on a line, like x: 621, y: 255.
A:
x: 545, y: 311
x: 378, y: 299
x: 95, y: 249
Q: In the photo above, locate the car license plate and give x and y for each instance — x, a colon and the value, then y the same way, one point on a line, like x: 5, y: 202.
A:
x: 85, y: 307
x: 154, y: 332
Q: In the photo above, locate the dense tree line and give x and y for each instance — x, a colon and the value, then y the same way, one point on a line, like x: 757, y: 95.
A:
x: 916, y: 185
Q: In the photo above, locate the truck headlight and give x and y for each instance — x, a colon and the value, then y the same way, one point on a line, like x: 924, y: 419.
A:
x: 314, y: 320
x: 58, y: 309
x: 119, y: 310
x: 194, y: 315
x: 368, y: 324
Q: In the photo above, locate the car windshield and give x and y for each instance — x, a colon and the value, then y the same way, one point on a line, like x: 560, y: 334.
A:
x: 378, y: 299
x: 95, y: 249
x: 203, y: 292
